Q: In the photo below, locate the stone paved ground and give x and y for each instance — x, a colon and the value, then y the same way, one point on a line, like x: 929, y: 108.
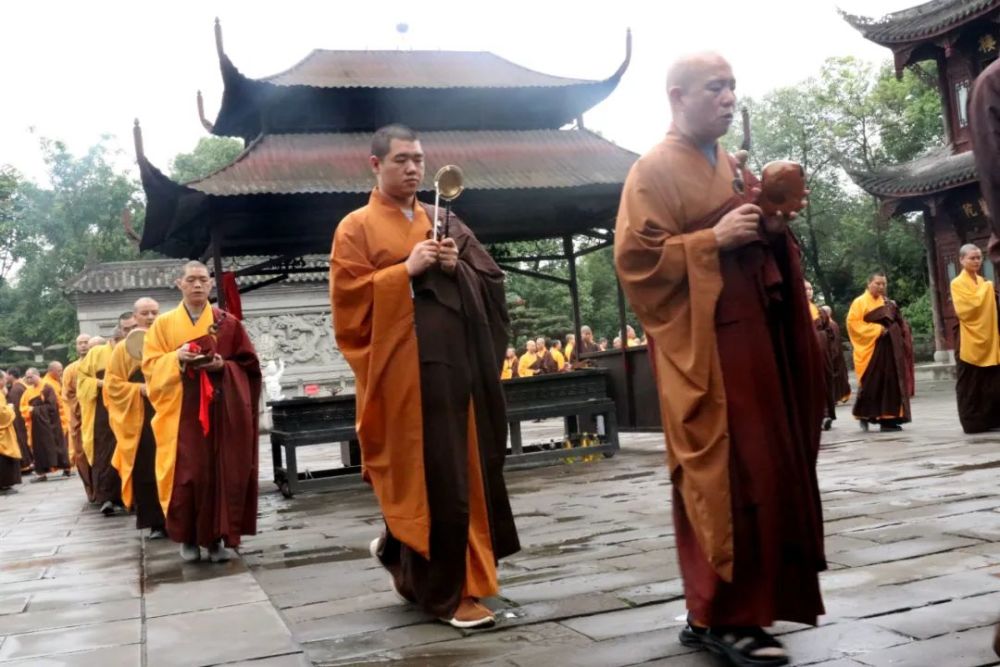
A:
x: 913, y: 526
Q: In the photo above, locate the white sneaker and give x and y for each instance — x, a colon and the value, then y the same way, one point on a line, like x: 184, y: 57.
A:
x: 190, y: 553
x: 220, y: 554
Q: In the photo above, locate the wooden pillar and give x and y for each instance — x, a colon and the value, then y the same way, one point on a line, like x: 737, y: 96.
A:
x: 941, y: 352
x: 626, y: 363
x: 574, y: 287
x: 220, y: 295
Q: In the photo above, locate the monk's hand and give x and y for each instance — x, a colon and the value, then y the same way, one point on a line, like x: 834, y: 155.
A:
x: 777, y: 224
x: 423, y: 256
x: 186, y: 356
x: 738, y: 227
x: 214, y: 364
x: 448, y: 255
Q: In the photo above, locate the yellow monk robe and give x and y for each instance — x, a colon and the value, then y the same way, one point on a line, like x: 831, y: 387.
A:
x: 88, y: 393
x: 976, y: 308
x: 56, y: 385
x: 10, y: 450
x: 524, y: 365
x: 163, y: 382
x: 559, y: 358
x: 376, y: 313
x: 864, y: 335
x: 507, y: 372
x: 126, y: 412
x: 8, y: 439
x: 813, y: 310
x: 74, y: 438
x: 569, y: 350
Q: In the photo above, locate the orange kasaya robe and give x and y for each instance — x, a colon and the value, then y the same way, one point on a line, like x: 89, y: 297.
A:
x: 205, y: 427
x: 74, y: 436
x: 376, y: 323
x: 10, y: 450
x: 40, y: 410
x: 527, y: 365
x: 977, y: 388
x: 57, y: 386
x: 738, y: 374
x: 98, y: 438
x: 509, y: 369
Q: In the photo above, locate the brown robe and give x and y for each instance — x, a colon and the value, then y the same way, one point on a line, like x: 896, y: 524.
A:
x: 47, y: 443
x: 829, y: 347
x: 446, y: 528
x: 984, y: 127
x: 20, y: 428
x: 148, y: 512
x: 887, y: 384
x: 977, y: 391
x: 841, y: 380
x: 107, y: 484
x: 737, y: 368
x: 74, y: 438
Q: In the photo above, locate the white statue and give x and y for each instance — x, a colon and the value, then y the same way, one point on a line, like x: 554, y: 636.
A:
x: 272, y: 379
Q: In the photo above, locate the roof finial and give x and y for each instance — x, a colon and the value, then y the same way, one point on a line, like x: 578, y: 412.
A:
x: 218, y: 36
x: 137, y: 139
x: 628, y: 55
x: 205, y: 123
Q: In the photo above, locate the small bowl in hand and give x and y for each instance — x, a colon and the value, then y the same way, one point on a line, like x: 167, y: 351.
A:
x: 782, y: 188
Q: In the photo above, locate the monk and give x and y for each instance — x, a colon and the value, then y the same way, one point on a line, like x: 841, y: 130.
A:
x: 587, y: 346
x: 881, y: 361
x: 98, y: 439
x: 984, y: 130
x: 510, y: 361
x: 570, y: 347
x: 977, y: 353
x: 130, y: 415
x: 17, y: 388
x: 841, y: 382
x: 39, y: 406
x: 433, y: 431
x: 718, y: 289
x: 631, y: 338
x: 829, y: 349
x: 529, y: 363
x: 547, y: 362
x: 10, y: 451
x: 203, y: 381
x: 557, y: 355
x: 54, y: 378
x: 74, y: 436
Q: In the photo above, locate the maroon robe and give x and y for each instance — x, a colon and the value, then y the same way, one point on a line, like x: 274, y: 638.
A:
x: 106, y: 484
x: 888, y: 382
x: 20, y: 427
x: 215, y: 480
x: 47, y: 441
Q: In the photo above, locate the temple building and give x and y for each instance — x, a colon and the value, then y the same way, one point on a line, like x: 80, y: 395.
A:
x: 961, y: 38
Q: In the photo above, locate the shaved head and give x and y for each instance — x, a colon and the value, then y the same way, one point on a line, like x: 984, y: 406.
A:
x: 145, y: 311
x: 55, y: 367
x: 81, y: 344
x: 193, y: 264
x: 688, y: 70
x: 95, y: 341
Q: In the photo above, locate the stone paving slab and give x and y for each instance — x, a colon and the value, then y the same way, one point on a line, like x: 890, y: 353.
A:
x: 912, y: 519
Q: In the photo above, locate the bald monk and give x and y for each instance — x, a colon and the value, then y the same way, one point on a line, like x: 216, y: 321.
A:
x: 984, y: 130
x: 74, y: 436
x: 841, y: 382
x: 130, y: 414
x: 977, y: 353
x: 54, y: 378
x: 569, y: 348
x: 530, y: 363
x: 97, y: 437
x: 878, y: 335
x: 719, y: 292
x: 203, y: 380
x: 827, y: 346
x: 557, y: 354
x: 546, y: 361
x: 509, y: 368
x: 433, y: 431
x: 17, y: 388
x: 39, y: 406
x: 10, y: 451
x: 587, y: 345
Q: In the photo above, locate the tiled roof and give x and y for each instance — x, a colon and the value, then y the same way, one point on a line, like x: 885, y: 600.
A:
x: 338, y: 163
x: 413, y: 69
x: 920, y: 22
x: 154, y: 274
x: 933, y: 172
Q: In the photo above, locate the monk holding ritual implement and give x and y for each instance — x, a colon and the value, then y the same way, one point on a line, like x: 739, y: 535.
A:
x: 203, y: 380
x: 883, y: 358
x: 432, y: 426
x: 717, y: 286
x: 130, y: 414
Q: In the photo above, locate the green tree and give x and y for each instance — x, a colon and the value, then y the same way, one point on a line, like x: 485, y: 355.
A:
x: 209, y: 155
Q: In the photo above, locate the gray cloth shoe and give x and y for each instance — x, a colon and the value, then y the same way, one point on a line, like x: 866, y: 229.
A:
x: 220, y: 554
x: 190, y: 553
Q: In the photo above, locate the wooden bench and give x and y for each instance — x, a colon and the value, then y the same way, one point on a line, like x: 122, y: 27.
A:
x: 581, y: 398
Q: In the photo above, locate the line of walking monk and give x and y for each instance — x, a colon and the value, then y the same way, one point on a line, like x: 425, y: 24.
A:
x: 170, y: 434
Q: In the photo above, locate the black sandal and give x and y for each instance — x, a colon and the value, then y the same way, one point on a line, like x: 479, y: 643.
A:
x: 739, y: 646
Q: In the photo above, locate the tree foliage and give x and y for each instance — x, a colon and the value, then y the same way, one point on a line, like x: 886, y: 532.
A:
x: 209, y: 155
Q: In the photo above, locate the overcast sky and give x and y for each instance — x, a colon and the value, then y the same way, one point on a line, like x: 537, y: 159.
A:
x: 76, y: 70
